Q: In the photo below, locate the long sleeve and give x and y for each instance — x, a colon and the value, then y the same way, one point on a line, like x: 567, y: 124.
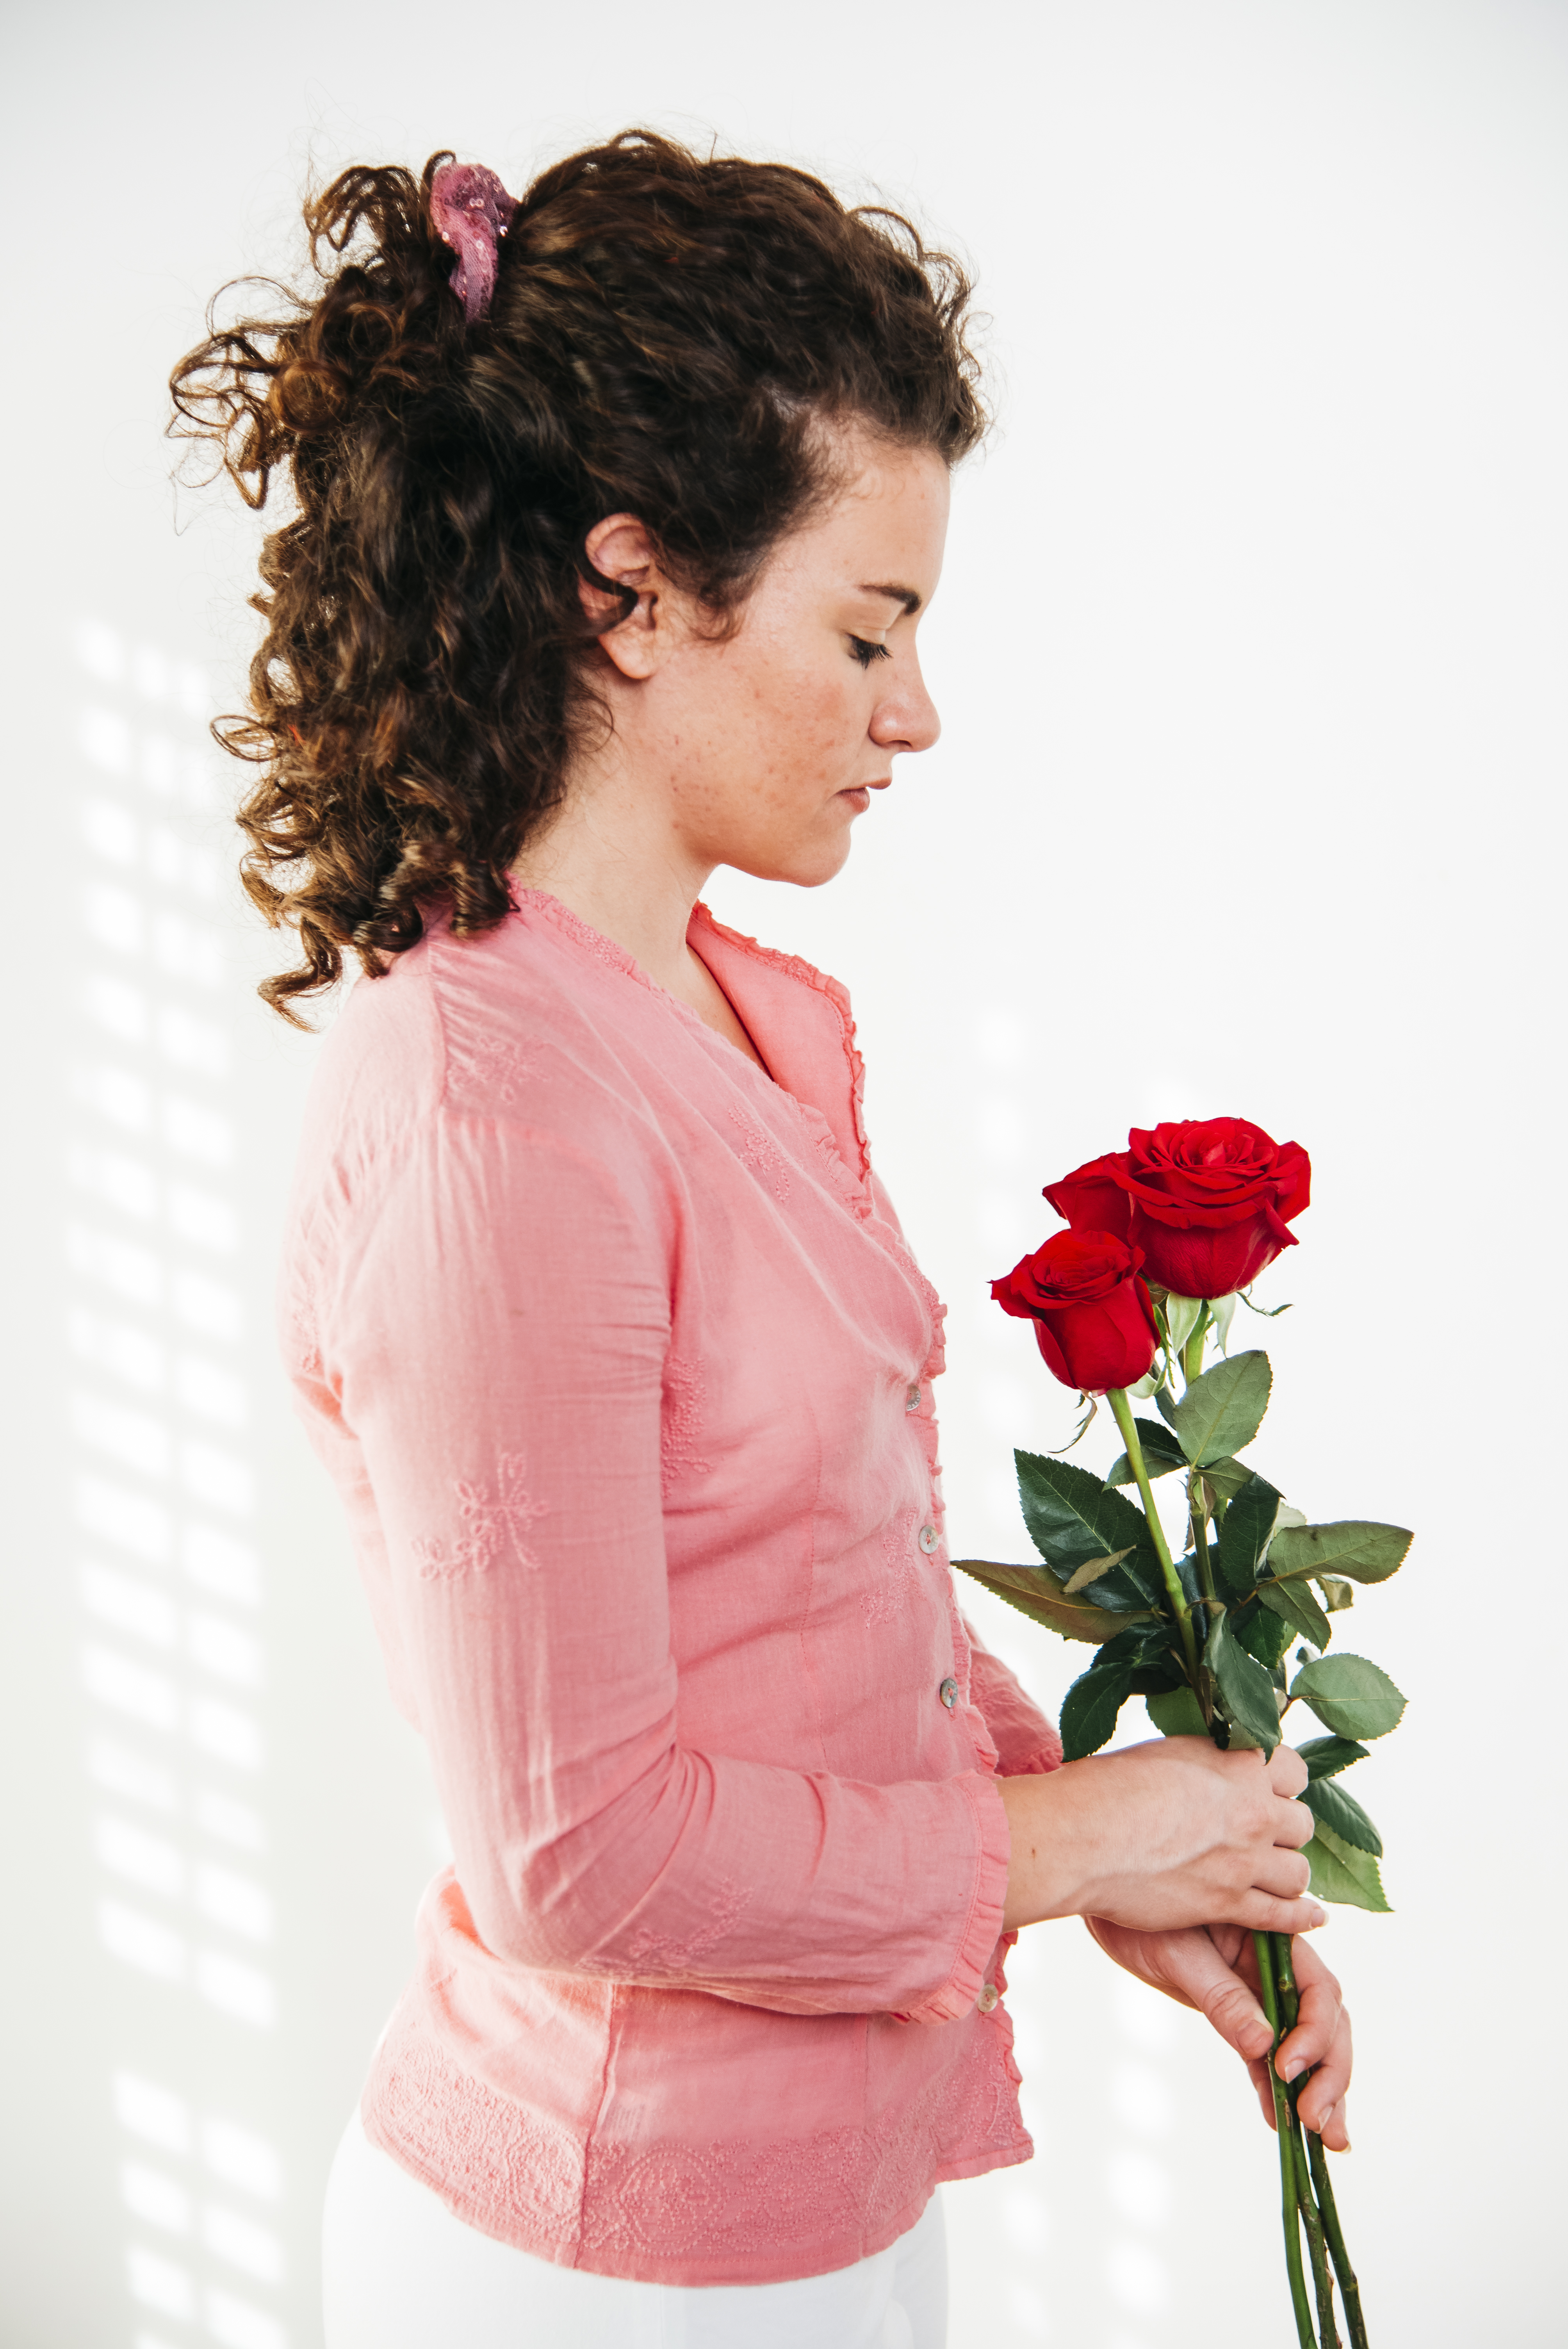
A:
x: 1028, y: 1742
x: 494, y: 1342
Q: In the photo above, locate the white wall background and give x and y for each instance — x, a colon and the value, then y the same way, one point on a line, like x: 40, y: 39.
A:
x: 1250, y: 655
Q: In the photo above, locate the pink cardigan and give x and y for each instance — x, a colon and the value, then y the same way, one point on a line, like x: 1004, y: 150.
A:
x: 615, y: 1353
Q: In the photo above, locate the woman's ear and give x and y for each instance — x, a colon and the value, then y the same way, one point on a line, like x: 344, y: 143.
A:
x: 621, y: 549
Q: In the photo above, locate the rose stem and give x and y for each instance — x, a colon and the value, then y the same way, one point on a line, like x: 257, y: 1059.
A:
x: 1192, y: 1351
x: 1307, y: 2337
x: 1197, y: 1515
x: 1290, y: 2009
x: 1350, y: 2291
x: 1117, y: 1398
x: 1322, y: 2283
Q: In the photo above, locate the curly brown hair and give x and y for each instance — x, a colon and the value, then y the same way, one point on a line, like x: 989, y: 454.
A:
x: 667, y: 332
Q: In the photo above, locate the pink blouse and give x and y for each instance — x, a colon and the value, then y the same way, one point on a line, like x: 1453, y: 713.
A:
x: 615, y: 1350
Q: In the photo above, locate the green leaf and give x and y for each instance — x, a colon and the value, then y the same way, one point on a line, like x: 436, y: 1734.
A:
x: 1245, y: 1536
x: 1336, y: 1595
x: 1294, y: 1601
x: 1261, y: 1634
x: 1186, y: 1567
x: 1349, y: 1695
x: 1340, y: 1872
x: 1362, y: 1552
x: 1333, y: 1807
x: 1162, y: 1453
x: 1225, y: 1478
x: 1222, y: 1410
x: 1161, y: 1666
x: 1074, y: 1517
x: 1147, y: 1645
x: 1246, y: 1693
x: 1177, y: 1714
x: 1090, y: 1706
x: 1092, y: 1570
x: 1035, y: 1591
x: 1325, y: 1756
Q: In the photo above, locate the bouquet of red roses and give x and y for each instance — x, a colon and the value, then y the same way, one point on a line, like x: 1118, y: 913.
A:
x: 1162, y: 1240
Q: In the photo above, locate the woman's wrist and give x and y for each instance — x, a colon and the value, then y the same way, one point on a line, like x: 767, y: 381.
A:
x: 1049, y: 1872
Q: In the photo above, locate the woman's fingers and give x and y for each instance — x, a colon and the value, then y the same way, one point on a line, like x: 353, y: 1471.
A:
x: 1215, y: 1969
x: 1287, y: 1772
x: 1262, y: 1913
x: 1196, y: 1969
x: 1322, y: 2101
x: 1259, y: 2075
x: 1294, y: 1823
x: 1320, y: 2039
x: 1317, y: 2021
x: 1285, y: 1874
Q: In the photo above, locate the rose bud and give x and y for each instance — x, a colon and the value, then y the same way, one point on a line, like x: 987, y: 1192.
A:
x: 1208, y: 1200
x: 1093, y: 1322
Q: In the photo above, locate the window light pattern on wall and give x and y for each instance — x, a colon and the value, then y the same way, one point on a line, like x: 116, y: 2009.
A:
x: 168, y: 1571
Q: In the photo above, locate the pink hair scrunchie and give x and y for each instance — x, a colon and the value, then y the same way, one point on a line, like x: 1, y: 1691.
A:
x: 472, y: 212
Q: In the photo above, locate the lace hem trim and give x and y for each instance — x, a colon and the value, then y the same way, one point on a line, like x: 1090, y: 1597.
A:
x: 726, y: 2210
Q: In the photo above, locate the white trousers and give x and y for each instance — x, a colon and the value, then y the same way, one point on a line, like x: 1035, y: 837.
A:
x: 399, y: 2271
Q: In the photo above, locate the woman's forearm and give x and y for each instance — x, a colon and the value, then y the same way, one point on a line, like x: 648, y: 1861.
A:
x: 1163, y: 1836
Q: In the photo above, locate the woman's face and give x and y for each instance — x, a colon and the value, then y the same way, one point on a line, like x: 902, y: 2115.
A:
x: 762, y: 747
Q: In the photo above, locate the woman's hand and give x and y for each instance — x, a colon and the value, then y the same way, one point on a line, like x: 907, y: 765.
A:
x: 1214, y: 1969
x: 1161, y: 1836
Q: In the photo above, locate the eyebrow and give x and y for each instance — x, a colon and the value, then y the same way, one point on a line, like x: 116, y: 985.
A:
x: 907, y: 596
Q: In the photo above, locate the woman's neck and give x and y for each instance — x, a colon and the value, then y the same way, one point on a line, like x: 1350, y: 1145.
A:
x: 608, y: 855
x: 631, y: 881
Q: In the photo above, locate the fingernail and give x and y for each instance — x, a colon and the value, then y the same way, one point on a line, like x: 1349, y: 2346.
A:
x: 1319, y: 1917
x: 1290, y: 2068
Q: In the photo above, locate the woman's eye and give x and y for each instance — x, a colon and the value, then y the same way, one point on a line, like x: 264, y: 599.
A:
x: 865, y: 652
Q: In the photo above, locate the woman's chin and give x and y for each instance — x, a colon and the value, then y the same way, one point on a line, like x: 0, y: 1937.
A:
x: 805, y: 865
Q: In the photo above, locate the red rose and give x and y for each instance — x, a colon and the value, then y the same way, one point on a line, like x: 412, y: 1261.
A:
x: 1093, y: 1319
x: 1207, y: 1200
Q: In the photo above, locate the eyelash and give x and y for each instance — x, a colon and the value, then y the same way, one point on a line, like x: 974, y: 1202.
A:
x: 865, y: 652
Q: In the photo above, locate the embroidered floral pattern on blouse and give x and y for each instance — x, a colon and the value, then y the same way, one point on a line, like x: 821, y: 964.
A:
x: 490, y: 1525
x: 685, y: 1400
x: 732, y: 2196
x: 891, y: 1596
x: 495, y: 1067
x: 522, y: 2177
x: 482, y: 2153
x: 761, y: 1154
x: 658, y: 1953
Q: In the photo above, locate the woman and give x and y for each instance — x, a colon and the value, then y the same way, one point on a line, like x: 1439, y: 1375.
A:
x: 617, y: 515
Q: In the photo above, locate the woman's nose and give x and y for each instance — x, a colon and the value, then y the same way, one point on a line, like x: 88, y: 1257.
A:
x: 906, y: 719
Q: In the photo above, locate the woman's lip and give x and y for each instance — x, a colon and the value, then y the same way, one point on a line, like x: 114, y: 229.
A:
x: 860, y: 794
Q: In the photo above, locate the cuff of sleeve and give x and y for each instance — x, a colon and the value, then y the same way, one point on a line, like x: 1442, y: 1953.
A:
x: 1036, y: 1764
x: 983, y: 1927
